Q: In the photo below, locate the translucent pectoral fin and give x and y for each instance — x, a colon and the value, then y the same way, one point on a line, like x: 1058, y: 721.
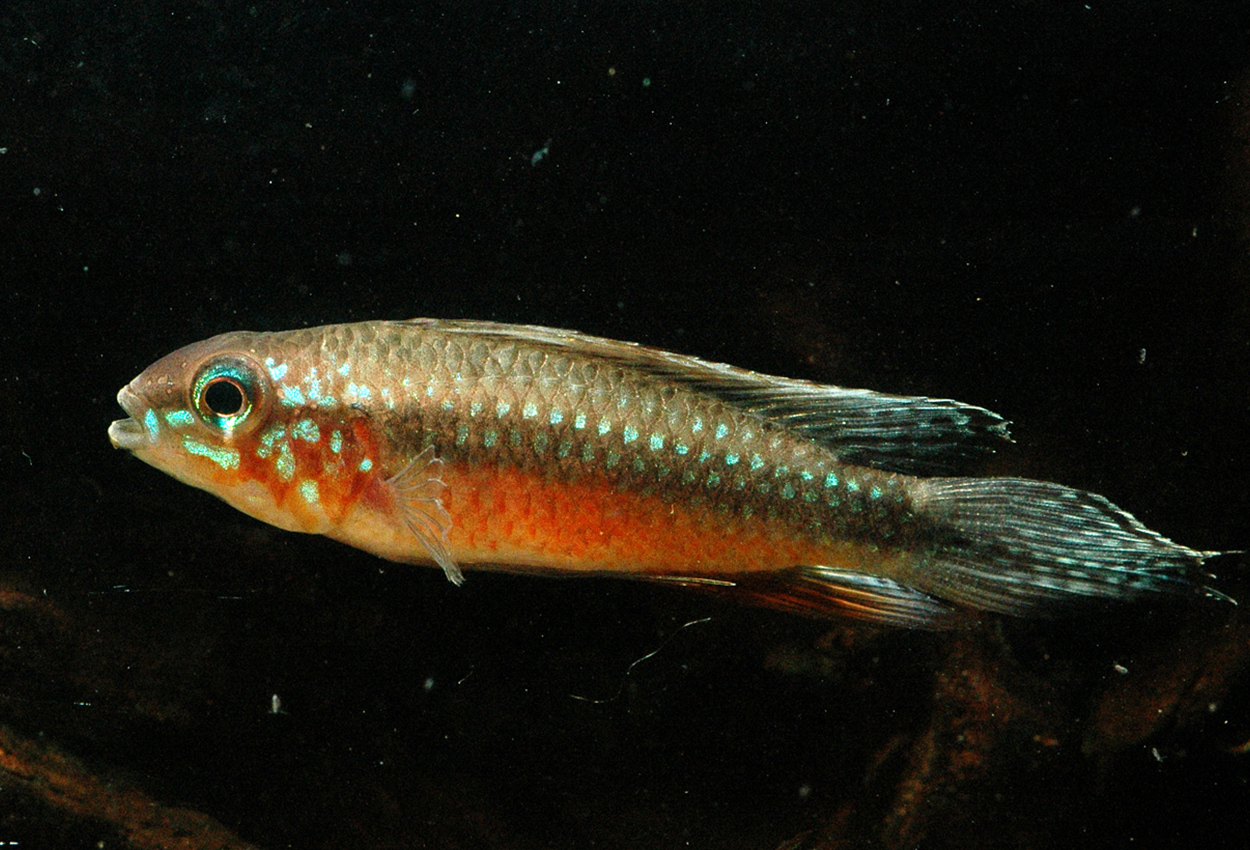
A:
x: 418, y: 492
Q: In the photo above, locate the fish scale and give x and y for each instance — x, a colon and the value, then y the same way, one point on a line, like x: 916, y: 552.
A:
x: 526, y: 448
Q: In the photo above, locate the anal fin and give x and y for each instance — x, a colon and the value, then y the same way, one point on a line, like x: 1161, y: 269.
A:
x: 828, y: 592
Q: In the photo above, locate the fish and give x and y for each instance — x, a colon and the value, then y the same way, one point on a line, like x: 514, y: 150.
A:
x: 472, y: 444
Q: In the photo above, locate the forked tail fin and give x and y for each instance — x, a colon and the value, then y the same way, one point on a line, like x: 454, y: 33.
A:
x: 1020, y: 547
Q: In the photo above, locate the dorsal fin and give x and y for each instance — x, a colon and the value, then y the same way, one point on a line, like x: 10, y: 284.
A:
x: 910, y: 434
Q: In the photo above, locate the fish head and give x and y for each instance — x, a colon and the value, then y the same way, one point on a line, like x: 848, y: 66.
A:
x: 195, y: 413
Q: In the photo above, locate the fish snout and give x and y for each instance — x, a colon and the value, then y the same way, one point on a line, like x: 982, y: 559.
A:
x: 130, y: 434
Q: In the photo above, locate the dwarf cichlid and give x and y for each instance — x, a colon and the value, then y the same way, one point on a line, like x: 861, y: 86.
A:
x: 473, y: 444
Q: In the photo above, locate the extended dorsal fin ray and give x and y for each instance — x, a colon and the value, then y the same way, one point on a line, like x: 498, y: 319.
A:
x: 910, y: 434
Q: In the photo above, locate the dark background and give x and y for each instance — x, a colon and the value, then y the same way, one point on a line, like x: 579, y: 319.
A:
x: 1036, y: 207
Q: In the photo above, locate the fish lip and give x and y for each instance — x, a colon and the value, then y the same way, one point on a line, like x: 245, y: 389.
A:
x: 128, y: 434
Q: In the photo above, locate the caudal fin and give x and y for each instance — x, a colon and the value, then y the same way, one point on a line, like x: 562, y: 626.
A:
x: 1020, y: 547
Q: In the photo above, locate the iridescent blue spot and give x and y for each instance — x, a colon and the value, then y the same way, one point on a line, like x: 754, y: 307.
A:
x: 704, y: 456
x: 490, y: 438
x: 530, y: 410
x: 285, y: 462
x: 806, y: 476
x: 588, y: 453
x: 731, y: 458
x: 563, y: 450
x: 640, y: 465
x: 475, y: 408
x: 336, y: 441
x: 722, y: 430
x: 697, y: 425
x: 763, y: 487
x: 267, y: 440
x: 314, y: 387
x: 501, y: 409
x: 831, y: 480
x: 833, y: 501
x: 656, y: 442
x: 225, y: 458
x: 344, y: 369
x: 713, y: 480
x: 462, y: 434
x: 787, y: 490
x: 613, y: 458
x: 366, y: 465
x: 149, y: 422
x: 688, y: 476
x: 631, y: 433
x: 306, y: 430
x: 604, y: 427
x: 448, y: 405
x: 579, y: 421
x: 276, y: 371
x: 515, y: 438
x: 178, y: 418
x: 308, y: 489
x: 875, y: 493
x: 852, y: 486
x: 292, y: 396
x: 555, y: 417
x: 756, y: 461
x: 810, y: 496
x: 540, y: 442
x: 780, y: 471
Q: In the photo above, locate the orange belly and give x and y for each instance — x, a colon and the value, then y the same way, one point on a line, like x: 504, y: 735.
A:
x: 509, y: 517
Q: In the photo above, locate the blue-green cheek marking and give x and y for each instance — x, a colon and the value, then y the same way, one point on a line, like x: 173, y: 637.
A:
x: 150, y: 422
x: 225, y: 458
x: 336, y: 441
x: 306, y: 430
x: 178, y: 418
x: 285, y: 462
x: 366, y: 465
x: 308, y: 489
x: 631, y: 433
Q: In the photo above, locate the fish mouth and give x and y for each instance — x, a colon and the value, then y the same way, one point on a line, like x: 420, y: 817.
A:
x: 128, y: 434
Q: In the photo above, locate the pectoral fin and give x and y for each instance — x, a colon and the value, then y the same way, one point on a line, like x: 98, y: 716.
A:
x: 418, y: 492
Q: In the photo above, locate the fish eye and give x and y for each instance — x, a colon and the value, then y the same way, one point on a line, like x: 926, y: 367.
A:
x: 224, y: 397
x: 224, y: 394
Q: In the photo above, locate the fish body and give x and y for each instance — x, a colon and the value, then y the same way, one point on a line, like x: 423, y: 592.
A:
x: 474, y: 444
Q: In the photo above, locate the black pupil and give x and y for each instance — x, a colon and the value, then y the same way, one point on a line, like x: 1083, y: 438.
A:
x: 224, y: 397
